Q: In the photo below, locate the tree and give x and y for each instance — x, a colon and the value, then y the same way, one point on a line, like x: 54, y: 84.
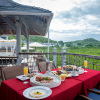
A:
x: 79, y: 43
x: 89, y: 45
x: 62, y: 43
x: 22, y: 44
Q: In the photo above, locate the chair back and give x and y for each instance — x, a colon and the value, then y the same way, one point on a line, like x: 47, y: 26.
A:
x: 11, y: 72
x: 42, y: 66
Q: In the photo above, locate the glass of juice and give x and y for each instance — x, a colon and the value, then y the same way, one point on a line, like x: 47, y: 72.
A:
x: 63, y: 77
x: 59, y: 67
x: 85, y: 64
x: 25, y: 70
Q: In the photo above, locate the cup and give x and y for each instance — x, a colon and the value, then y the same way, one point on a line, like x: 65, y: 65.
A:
x: 63, y: 77
x: 59, y: 67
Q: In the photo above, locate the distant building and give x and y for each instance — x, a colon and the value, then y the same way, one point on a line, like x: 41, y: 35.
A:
x: 75, y: 44
x: 4, y: 37
x: 6, y: 44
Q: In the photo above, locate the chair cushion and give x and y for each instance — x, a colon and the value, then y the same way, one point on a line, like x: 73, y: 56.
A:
x: 93, y: 95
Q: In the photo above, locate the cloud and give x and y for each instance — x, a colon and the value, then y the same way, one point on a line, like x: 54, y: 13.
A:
x: 73, y: 19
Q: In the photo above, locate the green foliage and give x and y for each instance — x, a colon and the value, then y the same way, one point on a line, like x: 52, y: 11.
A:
x: 89, y: 45
x: 84, y: 42
x: 79, y: 43
x: 11, y: 37
x: 22, y: 44
x: 41, y: 39
x: 69, y: 44
x: 61, y: 42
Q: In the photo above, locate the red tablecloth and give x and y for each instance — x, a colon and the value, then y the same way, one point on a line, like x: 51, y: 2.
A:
x: 13, y: 90
x: 89, y: 80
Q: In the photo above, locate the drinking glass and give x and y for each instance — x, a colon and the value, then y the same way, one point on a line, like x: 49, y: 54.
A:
x: 63, y: 77
x: 59, y: 67
x: 25, y: 70
x: 85, y: 64
x: 49, y: 66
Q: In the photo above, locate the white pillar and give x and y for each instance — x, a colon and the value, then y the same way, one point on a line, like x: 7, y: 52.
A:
x: 6, y: 49
x: 48, y: 44
x: 18, y: 36
x: 27, y: 42
x: 63, y: 57
x: 54, y: 55
x: 11, y: 48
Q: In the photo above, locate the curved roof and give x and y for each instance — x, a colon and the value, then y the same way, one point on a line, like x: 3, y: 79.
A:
x: 37, y: 20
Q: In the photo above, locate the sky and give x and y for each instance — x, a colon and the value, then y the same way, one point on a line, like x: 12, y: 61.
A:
x: 72, y: 19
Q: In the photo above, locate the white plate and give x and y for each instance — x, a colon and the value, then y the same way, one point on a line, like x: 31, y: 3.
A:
x: 68, y: 75
x: 46, y: 90
x: 56, y: 79
x: 22, y: 77
x: 81, y: 71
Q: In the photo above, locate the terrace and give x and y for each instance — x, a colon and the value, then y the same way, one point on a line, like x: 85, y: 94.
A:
x: 20, y: 20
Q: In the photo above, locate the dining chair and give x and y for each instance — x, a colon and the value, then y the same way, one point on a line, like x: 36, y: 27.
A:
x: 53, y: 64
x: 11, y: 72
x: 94, y: 94
x: 82, y: 97
x: 42, y: 66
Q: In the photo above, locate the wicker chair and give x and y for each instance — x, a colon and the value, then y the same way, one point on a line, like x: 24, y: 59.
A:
x: 11, y: 72
x: 42, y: 66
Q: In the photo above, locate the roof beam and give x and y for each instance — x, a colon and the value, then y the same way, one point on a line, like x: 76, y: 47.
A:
x: 39, y: 27
x: 2, y: 31
x: 25, y: 23
x: 9, y: 22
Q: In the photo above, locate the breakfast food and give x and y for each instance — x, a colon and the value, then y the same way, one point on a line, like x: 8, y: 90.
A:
x: 59, y: 73
x: 37, y: 93
x: 30, y: 75
x: 42, y: 79
x: 68, y: 68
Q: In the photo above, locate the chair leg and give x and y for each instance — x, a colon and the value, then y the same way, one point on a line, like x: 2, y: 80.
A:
x: 83, y: 97
x: 94, y: 91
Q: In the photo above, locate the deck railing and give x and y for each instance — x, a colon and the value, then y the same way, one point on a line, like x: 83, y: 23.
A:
x: 7, y: 61
x: 62, y: 59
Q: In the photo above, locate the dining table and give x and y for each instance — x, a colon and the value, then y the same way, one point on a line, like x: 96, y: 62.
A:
x: 12, y: 89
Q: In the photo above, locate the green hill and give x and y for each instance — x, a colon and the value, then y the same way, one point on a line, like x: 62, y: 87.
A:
x: 89, y: 41
x: 34, y: 39
x: 85, y: 42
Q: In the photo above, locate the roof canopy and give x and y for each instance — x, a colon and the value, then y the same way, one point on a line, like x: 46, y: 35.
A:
x: 35, y: 20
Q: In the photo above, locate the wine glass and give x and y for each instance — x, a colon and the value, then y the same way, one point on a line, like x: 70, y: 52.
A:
x: 25, y: 70
x: 85, y: 64
x: 49, y: 66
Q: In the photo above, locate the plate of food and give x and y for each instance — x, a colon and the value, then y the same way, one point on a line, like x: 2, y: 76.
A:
x: 37, y: 92
x: 22, y: 77
x: 70, y: 68
x: 59, y: 72
x: 45, y: 80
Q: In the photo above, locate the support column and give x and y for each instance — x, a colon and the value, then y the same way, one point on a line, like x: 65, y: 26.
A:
x: 18, y: 36
x: 63, y: 57
x: 27, y: 41
x: 54, y: 55
x: 6, y: 49
x: 48, y: 44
